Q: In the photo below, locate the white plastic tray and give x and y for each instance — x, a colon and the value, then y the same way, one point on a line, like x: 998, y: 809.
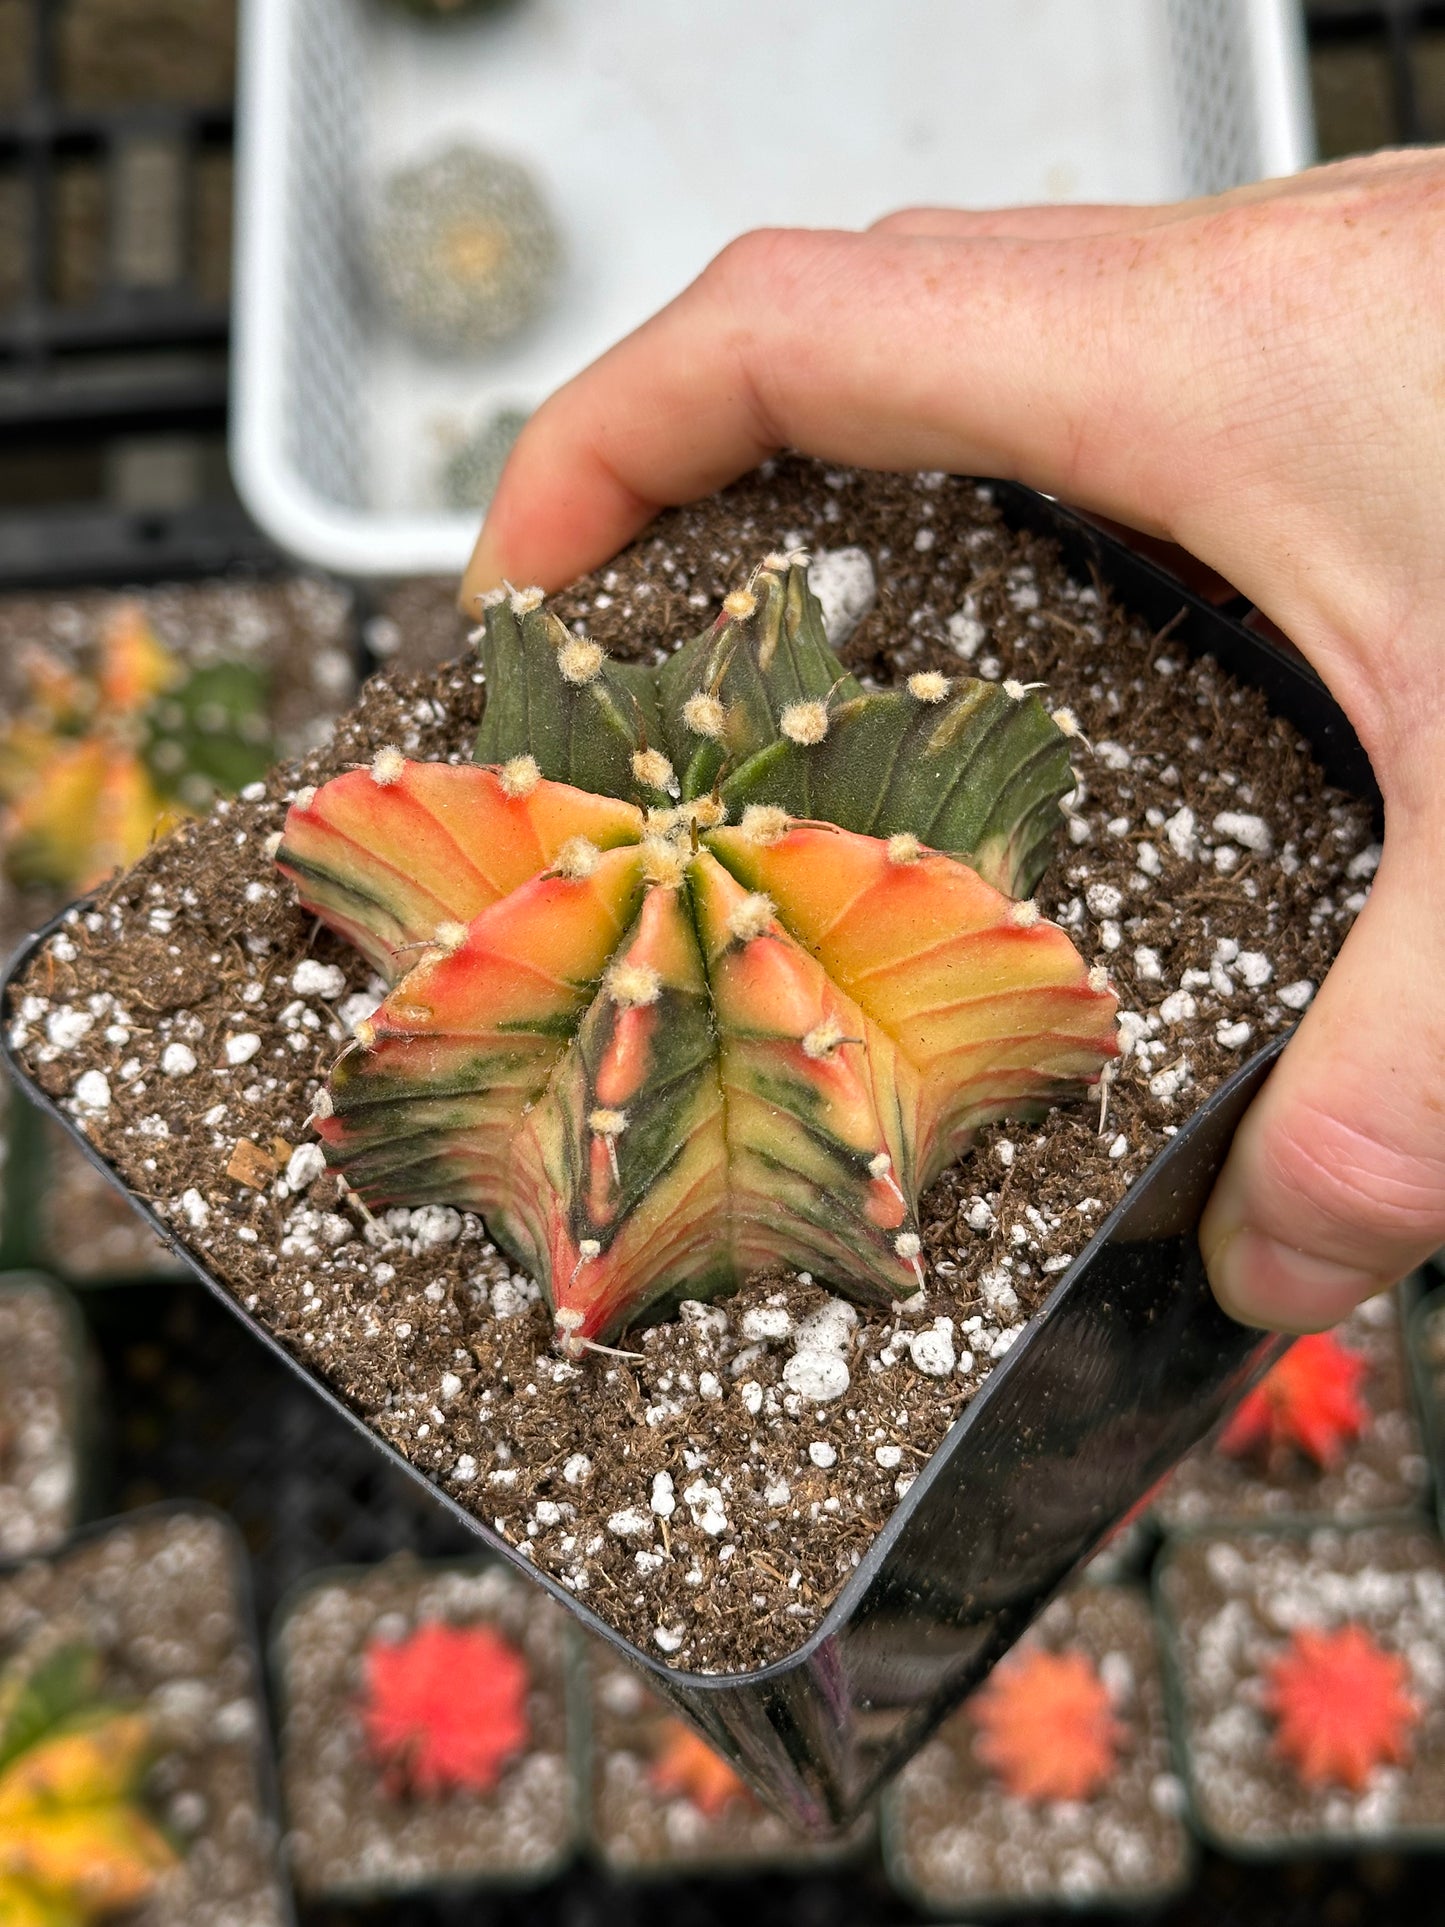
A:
x: 659, y: 129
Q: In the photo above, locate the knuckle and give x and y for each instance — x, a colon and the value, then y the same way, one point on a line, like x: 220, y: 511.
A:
x: 1343, y: 1183
x: 898, y: 220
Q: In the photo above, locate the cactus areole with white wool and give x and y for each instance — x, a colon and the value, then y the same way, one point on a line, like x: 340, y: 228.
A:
x: 703, y: 969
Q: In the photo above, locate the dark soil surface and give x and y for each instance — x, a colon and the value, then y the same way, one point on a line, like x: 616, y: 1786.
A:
x: 157, y: 1596
x: 956, y: 1838
x: 1231, y: 1603
x: 40, y: 1393
x: 347, y: 1833
x: 1384, y: 1470
x: 703, y: 1504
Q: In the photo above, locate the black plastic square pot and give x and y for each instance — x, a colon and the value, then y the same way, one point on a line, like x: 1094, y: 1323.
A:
x: 46, y: 1401
x: 164, y: 1594
x: 1128, y: 1364
x: 349, y: 1839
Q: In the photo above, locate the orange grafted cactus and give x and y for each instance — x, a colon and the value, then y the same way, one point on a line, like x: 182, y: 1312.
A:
x: 1341, y: 1706
x: 686, y: 1767
x: 1047, y: 1726
x: 1310, y: 1402
x: 444, y: 1708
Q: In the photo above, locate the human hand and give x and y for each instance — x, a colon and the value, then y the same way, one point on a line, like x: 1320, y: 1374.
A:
x: 1258, y: 377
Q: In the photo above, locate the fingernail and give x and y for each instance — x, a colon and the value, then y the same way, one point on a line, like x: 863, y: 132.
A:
x: 484, y: 571
x: 1261, y: 1282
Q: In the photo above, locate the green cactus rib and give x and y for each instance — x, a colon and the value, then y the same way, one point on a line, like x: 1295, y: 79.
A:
x: 656, y: 1047
x: 760, y: 710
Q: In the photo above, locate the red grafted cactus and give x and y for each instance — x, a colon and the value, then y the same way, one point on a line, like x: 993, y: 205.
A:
x: 445, y: 1708
x: 699, y: 970
x: 1341, y: 1706
x: 1047, y: 1727
x: 1309, y: 1402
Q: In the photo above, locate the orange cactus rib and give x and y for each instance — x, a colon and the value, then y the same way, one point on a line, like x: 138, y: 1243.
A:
x: 1047, y: 1726
x: 1310, y: 1401
x: 391, y: 852
x: 990, y: 1008
x: 1341, y: 1706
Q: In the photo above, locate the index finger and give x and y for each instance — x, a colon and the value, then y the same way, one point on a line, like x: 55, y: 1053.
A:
x: 996, y: 355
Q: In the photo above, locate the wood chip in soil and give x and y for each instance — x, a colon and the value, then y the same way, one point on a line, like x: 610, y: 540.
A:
x: 1204, y: 861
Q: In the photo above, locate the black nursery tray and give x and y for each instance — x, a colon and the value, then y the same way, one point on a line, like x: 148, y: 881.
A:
x: 1128, y: 1364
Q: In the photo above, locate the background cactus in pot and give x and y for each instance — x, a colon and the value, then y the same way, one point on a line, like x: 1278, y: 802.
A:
x: 702, y: 969
x: 75, y: 1843
x: 95, y: 766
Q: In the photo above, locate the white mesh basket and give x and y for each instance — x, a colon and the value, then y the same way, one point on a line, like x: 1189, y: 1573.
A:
x: 657, y: 132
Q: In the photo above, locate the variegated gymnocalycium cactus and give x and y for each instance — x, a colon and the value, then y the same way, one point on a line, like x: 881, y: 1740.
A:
x: 703, y: 969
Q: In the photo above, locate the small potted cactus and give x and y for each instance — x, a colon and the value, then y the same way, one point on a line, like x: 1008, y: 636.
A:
x: 1309, y: 1701
x: 700, y: 1137
x: 1330, y: 1432
x: 425, y: 1737
x: 133, y: 1776
x: 1052, y: 1784
x: 43, y: 1393
x: 76, y: 1841
x: 125, y: 716
x: 663, y: 1803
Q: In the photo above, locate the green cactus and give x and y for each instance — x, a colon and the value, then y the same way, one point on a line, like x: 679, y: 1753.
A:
x: 703, y: 969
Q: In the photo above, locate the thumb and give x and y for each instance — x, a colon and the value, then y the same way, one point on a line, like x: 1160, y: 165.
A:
x: 1335, y: 1185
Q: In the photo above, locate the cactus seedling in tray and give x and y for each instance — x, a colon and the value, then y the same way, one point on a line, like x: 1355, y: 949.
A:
x: 701, y: 970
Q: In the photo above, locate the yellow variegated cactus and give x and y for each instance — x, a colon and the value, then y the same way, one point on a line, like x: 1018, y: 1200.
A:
x: 704, y: 969
x: 76, y: 1845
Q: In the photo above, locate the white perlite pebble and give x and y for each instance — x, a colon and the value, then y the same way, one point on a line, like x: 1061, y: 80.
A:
x: 1233, y: 1036
x: 828, y: 1329
x: 667, y: 1638
x: 547, y: 1512
x: 751, y: 1394
x: 1253, y: 969
x: 241, y: 1048
x: 1169, y: 1083
x: 195, y: 1210
x: 1104, y: 900
x: 1251, y: 832
x: 764, y: 1322
x: 92, y: 1091
x: 312, y: 979
x: 465, y: 1469
x: 890, y: 1457
x: 816, y: 1374
x: 705, y: 1503
x: 577, y: 1468
x: 932, y: 1350
x: 65, y: 1027
x: 846, y: 588
x: 822, y: 1454
x: 663, y: 1502
x: 178, y: 1060
x: 631, y: 1523
x: 1295, y: 996
x: 1178, y: 1007
x: 1180, y: 832
x: 304, y: 1166
x: 450, y: 1386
